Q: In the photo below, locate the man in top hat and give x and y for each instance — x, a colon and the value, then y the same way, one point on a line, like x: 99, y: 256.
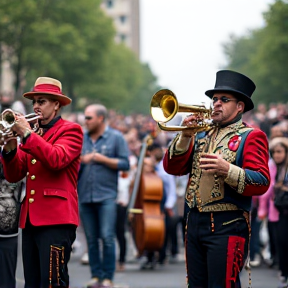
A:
x: 50, y: 162
x: 227, y: 166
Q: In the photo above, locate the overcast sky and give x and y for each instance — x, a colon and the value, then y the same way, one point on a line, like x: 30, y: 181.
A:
x: 181, y: 40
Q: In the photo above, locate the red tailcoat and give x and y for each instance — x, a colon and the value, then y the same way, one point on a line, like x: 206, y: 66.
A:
x: 51, y: 165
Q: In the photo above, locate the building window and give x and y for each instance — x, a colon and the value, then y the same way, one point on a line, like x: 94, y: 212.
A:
x: 123, y: 19
x: 109, y: 3
x: 122, y: 37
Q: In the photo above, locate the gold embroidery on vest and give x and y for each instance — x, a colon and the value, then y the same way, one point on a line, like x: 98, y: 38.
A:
x: 212, y: 186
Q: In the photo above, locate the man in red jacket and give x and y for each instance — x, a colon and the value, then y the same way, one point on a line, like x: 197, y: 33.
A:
x: 50, y: 161
x: 227, y: 166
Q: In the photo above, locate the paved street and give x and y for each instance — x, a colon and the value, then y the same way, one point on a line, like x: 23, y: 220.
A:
x: 168, y: 276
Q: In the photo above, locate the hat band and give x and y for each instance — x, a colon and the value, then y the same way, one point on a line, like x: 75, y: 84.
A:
x: 224, y: 87
x: 47, y: 88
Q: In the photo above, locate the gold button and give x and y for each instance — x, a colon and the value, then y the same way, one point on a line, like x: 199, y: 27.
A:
x: 33, y: 161
x: 31, y: 200
x: 32, y: 192
x: 33, y: 177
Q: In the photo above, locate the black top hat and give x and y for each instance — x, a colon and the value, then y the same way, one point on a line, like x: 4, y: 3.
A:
x: 236, y: 83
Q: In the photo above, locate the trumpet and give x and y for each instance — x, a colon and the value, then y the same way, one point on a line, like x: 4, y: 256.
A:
x: 8, y: 119
x: 164, y: 106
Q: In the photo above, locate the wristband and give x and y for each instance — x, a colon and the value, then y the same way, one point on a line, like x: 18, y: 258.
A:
x: 26, y: 135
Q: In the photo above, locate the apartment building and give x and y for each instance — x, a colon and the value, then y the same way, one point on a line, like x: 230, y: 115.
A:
x: 6, y: 78
x: 125, y: 14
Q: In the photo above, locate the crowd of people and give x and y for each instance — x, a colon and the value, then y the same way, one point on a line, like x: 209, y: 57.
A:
x: 70, y: 170
x: 84, y: 175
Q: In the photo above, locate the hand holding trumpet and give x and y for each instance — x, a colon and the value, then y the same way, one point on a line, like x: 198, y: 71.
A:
x: 21, y: 126
x: 191, y: 120
x: 164, y: 106
x: 13, y: 125
x: 8, y: 141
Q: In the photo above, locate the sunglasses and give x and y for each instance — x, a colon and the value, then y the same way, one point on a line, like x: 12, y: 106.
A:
x: 88, y: 117
x: 223, y: 99
x: 39, y: 101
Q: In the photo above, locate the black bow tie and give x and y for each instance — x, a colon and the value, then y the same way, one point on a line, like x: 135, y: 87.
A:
x: 42, y: 129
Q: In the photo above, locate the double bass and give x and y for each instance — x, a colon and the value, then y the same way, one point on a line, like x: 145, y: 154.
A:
x: 146, y: 218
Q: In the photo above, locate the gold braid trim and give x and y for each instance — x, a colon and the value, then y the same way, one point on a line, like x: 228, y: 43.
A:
x: 236, y: 178
x: 241, y: 184
x: 178, y: 145
x: 56, y: 263
x: 219, y: 207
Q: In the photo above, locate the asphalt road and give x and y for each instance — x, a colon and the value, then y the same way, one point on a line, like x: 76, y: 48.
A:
x: 167, y: 276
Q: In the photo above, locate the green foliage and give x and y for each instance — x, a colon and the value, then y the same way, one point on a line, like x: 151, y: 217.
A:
x: 121, y: 83
x: 73, y: 41
x: 263, y: 55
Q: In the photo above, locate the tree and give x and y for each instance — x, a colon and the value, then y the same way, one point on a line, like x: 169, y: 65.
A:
x: 121, y: 83
x: 72, y: 41
x: 53, y: 37
x: 263, y: 55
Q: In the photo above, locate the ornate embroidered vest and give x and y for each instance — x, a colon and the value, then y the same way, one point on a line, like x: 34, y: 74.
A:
x: 209, y: 192
x: 10, y: 204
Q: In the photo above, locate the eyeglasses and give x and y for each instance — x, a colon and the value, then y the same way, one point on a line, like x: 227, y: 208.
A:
x: 223, y: 99
x: 88, y: 117
x: 39, y: 101
x: 42, y: 101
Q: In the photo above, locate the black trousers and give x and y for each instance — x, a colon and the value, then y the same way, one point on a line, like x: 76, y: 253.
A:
x: 8, y: 261
x: 45, y: 245
x: 273, y: 245
x: 174, y: 224
x: 282, y: 234
x: 121, y: 224
x: 216, y: 248
x: 170, y: 240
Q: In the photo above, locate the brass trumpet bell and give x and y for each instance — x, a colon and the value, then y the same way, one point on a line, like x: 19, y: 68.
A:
x: 8, y: 119
x: 164, y: 106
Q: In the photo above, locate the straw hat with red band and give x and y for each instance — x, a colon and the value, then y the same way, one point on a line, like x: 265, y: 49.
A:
x: 49, y: 87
